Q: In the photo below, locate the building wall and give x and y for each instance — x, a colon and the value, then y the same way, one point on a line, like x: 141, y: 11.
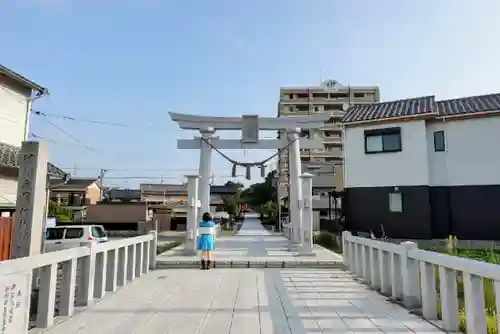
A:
x: 8, y: 191
x: 117, y: 213
x: 303, y: 101
x: 161, y: 198
x: 465, y: 180
x: 405, y: 168
x: 451, y: 192
x: 93, y: 193
x: 13, y: 107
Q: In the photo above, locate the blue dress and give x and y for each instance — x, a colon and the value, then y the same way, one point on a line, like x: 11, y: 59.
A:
x: 206, y: 241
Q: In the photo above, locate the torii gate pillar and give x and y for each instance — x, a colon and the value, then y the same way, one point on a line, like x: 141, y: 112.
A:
x: 205, y: 170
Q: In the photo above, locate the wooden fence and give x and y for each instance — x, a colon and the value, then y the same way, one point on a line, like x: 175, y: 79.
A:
x: 6, y: 230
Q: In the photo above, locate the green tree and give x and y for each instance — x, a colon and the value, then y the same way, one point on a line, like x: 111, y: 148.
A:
x: 60, y: 213
x: 260, y: 193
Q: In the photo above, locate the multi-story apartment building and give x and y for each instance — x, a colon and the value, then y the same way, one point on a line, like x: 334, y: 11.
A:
x: 333, y: 98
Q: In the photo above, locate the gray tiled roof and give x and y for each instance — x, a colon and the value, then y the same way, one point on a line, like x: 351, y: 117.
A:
x: 469, y: 105
x: 384, y: 110
x: 73, y: 183
x: 19, y: 78
x: 9, y: 157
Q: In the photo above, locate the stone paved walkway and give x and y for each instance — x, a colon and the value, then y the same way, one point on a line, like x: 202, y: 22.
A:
x: 241, y: 301
x: 252, y: 243
x: 245, y: 301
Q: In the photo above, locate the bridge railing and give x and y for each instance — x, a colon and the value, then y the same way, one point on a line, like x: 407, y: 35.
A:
x: 69, y: 278
x: 422, y: 278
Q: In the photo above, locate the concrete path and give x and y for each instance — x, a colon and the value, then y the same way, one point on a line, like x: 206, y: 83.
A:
x: 252, y: 226
x: 241, y: 301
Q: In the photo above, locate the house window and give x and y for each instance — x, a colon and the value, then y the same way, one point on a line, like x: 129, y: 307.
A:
x: 395, y: 202
x: 383, y: 140
x: 439, y: 145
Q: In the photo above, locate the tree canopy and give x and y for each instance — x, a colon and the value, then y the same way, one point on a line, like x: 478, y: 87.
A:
x: 261, y: 193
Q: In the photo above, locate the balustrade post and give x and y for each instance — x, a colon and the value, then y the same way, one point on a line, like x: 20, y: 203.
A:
x: 374, y: 268
x: 365, y: 253
x: 85, y: 289
x: 68, y: 285
x: 122, y: 266
x: 385, y: 271
x: 474, y: 303
x: 145, y: 257
x: 138, y: 259
x: 112, y: 270
x: 152, y: 251
x: 359, y: 260
x: 429, y: 292
x: 101, y: 266
x: 346, y: 255
x: 396, y: 276
x: 449, y: 300
x: 47, y: 296
x: 411, y: 275
x: 131, y: 262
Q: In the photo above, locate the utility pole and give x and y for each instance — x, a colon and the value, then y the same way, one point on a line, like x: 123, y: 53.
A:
x: 101, y: 179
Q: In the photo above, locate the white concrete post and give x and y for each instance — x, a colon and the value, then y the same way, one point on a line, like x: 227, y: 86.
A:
x: 396, y: 276
x: 112, y: 270
x: 346, y: 250
x: 449, y: 301
x: 101, y: 266
x: 67, y: 289
x: 307, y: 215
x: 205, y: 171
x: 411, y: 276
x: 47, y: 296
x: 192, y: 215
x: 152, y: 250
x: 30, y: 205
x: 131, y: 262
x: 85, y: 288
x: 295, y: 193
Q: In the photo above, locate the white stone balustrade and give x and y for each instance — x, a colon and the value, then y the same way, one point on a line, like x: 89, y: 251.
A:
x: 395, y: 270
x: 102, y: 268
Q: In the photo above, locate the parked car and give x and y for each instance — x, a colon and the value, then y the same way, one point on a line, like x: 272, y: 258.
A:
x: 64, y: 237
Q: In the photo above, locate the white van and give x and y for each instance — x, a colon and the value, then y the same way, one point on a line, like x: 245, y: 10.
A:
x: 70, y: 236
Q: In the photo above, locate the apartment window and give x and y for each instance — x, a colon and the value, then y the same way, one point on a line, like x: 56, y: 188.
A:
x: 291, y: 109
x: 395, y: 202
x: 439, y: 145
x: 383, y: 140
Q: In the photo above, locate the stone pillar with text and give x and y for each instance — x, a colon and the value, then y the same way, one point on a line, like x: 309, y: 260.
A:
x: 192, y: 215
x: 295, y: 193
x: 31, y: 199
x: 307, y: 215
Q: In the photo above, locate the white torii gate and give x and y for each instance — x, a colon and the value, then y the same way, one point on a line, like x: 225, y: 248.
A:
x: 199, y: 185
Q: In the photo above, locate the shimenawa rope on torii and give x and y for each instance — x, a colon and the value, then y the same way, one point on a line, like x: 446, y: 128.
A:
x: 249, y: 165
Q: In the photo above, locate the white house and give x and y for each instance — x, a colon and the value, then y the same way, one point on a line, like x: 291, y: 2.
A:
x: 16, y: 96
x: 423, y: 168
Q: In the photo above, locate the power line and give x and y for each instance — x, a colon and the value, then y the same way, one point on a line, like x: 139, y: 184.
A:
x: 92, y: 121
x: 105, y: 123
x: 73, y: 137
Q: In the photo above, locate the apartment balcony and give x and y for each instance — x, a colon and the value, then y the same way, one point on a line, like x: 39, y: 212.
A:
x: 322, y: 153
x: 332, y: 140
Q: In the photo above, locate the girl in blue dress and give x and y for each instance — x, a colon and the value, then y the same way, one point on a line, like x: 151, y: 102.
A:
x: 206, y: 242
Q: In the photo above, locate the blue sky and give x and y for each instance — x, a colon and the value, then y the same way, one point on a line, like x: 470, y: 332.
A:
x: 133, y: 61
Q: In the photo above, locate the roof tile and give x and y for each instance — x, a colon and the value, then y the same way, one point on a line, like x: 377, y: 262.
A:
x: 9, y: 157
x: 385, y: 110
x: 469, y: 105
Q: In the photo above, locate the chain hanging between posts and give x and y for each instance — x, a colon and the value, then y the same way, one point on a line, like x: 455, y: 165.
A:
x: 248, y: 165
